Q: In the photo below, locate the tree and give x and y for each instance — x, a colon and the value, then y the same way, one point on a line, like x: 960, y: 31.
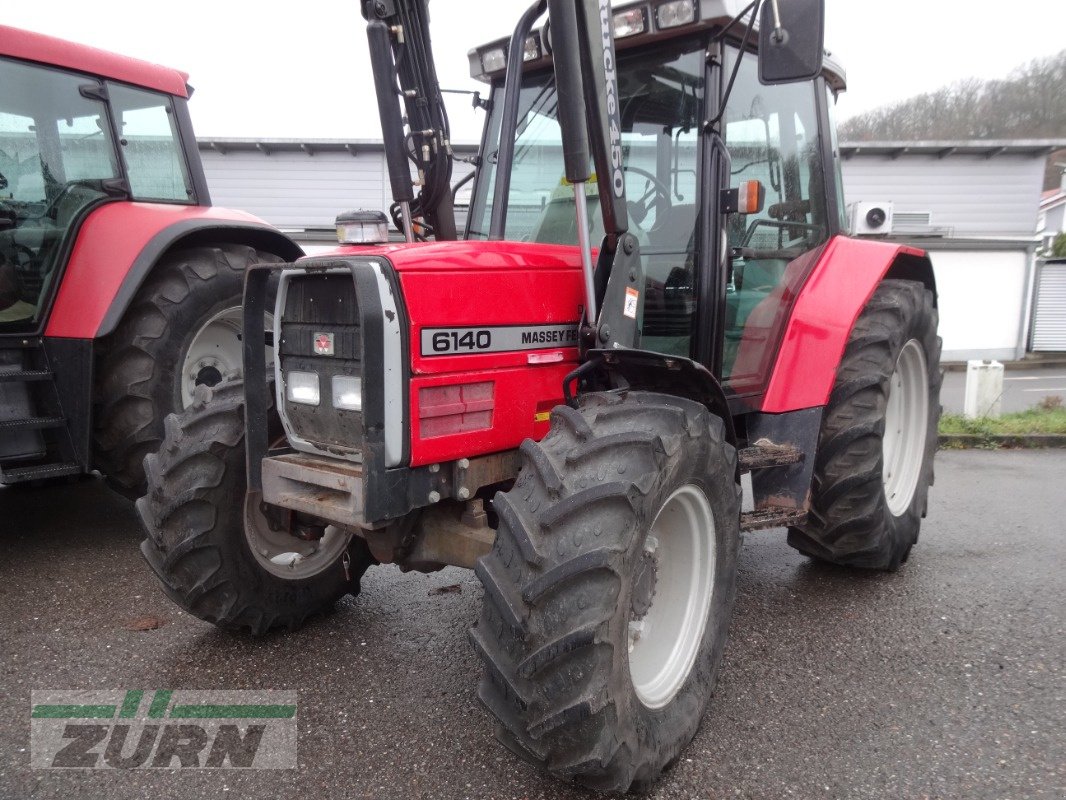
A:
x: 1058, y: 247
x: 1028, y: 104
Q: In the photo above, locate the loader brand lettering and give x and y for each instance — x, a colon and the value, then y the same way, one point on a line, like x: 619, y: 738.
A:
x: 497, y: 339
x: 163, y: 729
x: 610, y: 76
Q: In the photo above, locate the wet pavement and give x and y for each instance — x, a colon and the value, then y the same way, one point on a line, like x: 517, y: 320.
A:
x: 942, y: 680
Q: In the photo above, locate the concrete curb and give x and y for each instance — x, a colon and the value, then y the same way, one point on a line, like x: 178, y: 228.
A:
x: 1032, y: 364
x: 1028, y: 441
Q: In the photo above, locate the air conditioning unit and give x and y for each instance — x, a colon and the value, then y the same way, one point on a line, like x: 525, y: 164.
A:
x: 870, y: 218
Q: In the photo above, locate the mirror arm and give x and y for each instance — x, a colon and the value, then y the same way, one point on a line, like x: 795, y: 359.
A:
x: 712, y: 123
x: 780, y: 34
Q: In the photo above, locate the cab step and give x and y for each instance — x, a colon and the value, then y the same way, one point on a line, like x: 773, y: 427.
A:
x: 32, y: 424
x: 765, y: 454
x: 38, y: 472
x: 771, y: 517
x: 25, y: 376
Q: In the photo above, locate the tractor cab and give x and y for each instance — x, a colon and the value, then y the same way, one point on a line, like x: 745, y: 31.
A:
x: 69, y: 143
x: 676, y: 62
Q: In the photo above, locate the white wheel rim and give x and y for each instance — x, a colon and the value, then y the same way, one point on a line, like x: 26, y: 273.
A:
x: 216, y: 351
x: 664, y: 642
x: 287, y: 556
x: 906, y: 426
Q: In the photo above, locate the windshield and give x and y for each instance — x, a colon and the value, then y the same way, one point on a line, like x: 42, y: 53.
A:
x: 661, y: 101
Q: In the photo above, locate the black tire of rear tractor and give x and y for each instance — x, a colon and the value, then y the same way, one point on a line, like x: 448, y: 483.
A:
x: 558, y: 585
x: 139, y: 368
x: 193, y: 517
x: 850, y: 522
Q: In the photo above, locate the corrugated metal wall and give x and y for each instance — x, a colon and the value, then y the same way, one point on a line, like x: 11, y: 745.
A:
x: 294, y: 189
x: 968, y: 195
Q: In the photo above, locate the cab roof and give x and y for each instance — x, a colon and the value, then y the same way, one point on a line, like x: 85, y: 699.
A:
x: 30, y: 46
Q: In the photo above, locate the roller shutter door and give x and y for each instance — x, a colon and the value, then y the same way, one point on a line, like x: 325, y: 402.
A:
x: 1049, y: 313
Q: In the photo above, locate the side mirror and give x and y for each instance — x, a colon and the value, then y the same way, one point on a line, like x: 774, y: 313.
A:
x: 791, y: 40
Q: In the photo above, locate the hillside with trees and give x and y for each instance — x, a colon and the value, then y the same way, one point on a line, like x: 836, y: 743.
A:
x: 1030, y: 103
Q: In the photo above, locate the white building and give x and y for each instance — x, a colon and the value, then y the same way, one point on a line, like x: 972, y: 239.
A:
x: 972, y: 205
x: 1052, y: 219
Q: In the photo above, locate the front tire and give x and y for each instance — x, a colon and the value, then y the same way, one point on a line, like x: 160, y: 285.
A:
x: 609, y: 588
x: 190, y: 305
x: 201, y: 529
x: 874, y: 463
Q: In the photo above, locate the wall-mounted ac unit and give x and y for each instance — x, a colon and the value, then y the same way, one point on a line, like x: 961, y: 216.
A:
x: 870, y: 218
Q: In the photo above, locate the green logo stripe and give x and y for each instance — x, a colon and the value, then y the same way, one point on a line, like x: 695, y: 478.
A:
x: 131, y: 703
x: 160, y: 701
x: 233, y: 712
x: 43, y: 711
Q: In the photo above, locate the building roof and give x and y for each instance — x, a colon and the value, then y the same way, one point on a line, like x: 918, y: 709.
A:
x: 30, y: 46
x: 961, y: 147
x: 1052, y: 198
x: 224, y: 144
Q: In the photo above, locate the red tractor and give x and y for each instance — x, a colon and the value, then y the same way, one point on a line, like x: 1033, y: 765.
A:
x: 120, y: 284
x: 573, y: 421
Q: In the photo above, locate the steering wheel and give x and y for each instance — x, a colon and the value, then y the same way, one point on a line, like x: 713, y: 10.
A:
x: 658, y: 192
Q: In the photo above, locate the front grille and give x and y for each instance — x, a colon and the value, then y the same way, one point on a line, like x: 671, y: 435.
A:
x: 315, y: 305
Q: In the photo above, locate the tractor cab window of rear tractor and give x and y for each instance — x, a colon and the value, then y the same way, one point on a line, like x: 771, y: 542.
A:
x: 772, y: 136
x: 661, y: 98
x: 150, y: 145
x: 56, y: 151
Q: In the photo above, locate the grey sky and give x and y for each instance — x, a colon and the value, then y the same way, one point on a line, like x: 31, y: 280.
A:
x: 300, y: 69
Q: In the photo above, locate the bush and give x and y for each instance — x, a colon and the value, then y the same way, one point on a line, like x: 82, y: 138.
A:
x: 1058, y: 247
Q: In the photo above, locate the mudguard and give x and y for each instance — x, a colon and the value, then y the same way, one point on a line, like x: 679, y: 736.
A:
x: 119, y: 243
x: 840, y: 284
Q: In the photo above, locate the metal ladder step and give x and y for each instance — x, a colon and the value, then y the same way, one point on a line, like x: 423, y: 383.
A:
x: 771, y: 517
x: 38, y: 472
x: 25, y: 376
x: 32, y: 424
x: 765, y: 454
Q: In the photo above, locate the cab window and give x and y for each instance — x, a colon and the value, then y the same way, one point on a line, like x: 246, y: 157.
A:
x: 150, y: 146
x: 772, y: 136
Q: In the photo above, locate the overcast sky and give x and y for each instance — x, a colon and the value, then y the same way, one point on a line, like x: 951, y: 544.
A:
x: 276, y: 68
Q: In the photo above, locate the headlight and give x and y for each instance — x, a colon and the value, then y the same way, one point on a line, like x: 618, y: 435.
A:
x: 629, y: 23
x: 494, y: 60
x: 673, y: 14
x: 532, y: 49
x: 362, y: 227
x: 347, y: 393
x: 302, y: 387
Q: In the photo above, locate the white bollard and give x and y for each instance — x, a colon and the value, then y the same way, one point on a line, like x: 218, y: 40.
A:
x: 984, y: 389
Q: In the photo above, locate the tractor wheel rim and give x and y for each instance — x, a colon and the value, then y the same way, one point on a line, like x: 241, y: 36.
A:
x: 906, y: 426
x: 287, y: 556
x: 665, y: 640
x: 216, y: 352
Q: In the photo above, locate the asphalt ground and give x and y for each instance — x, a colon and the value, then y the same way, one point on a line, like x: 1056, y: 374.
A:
x: 1022, y: 388
x: 942, y: 680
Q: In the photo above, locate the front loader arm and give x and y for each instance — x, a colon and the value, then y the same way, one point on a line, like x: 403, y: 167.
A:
x: 400, y: 48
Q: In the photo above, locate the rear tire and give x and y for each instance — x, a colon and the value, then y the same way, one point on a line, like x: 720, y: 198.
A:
x: 194, y: 518
x: 139, y: 374
x: 573, y: 581
x: 871, y: 485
